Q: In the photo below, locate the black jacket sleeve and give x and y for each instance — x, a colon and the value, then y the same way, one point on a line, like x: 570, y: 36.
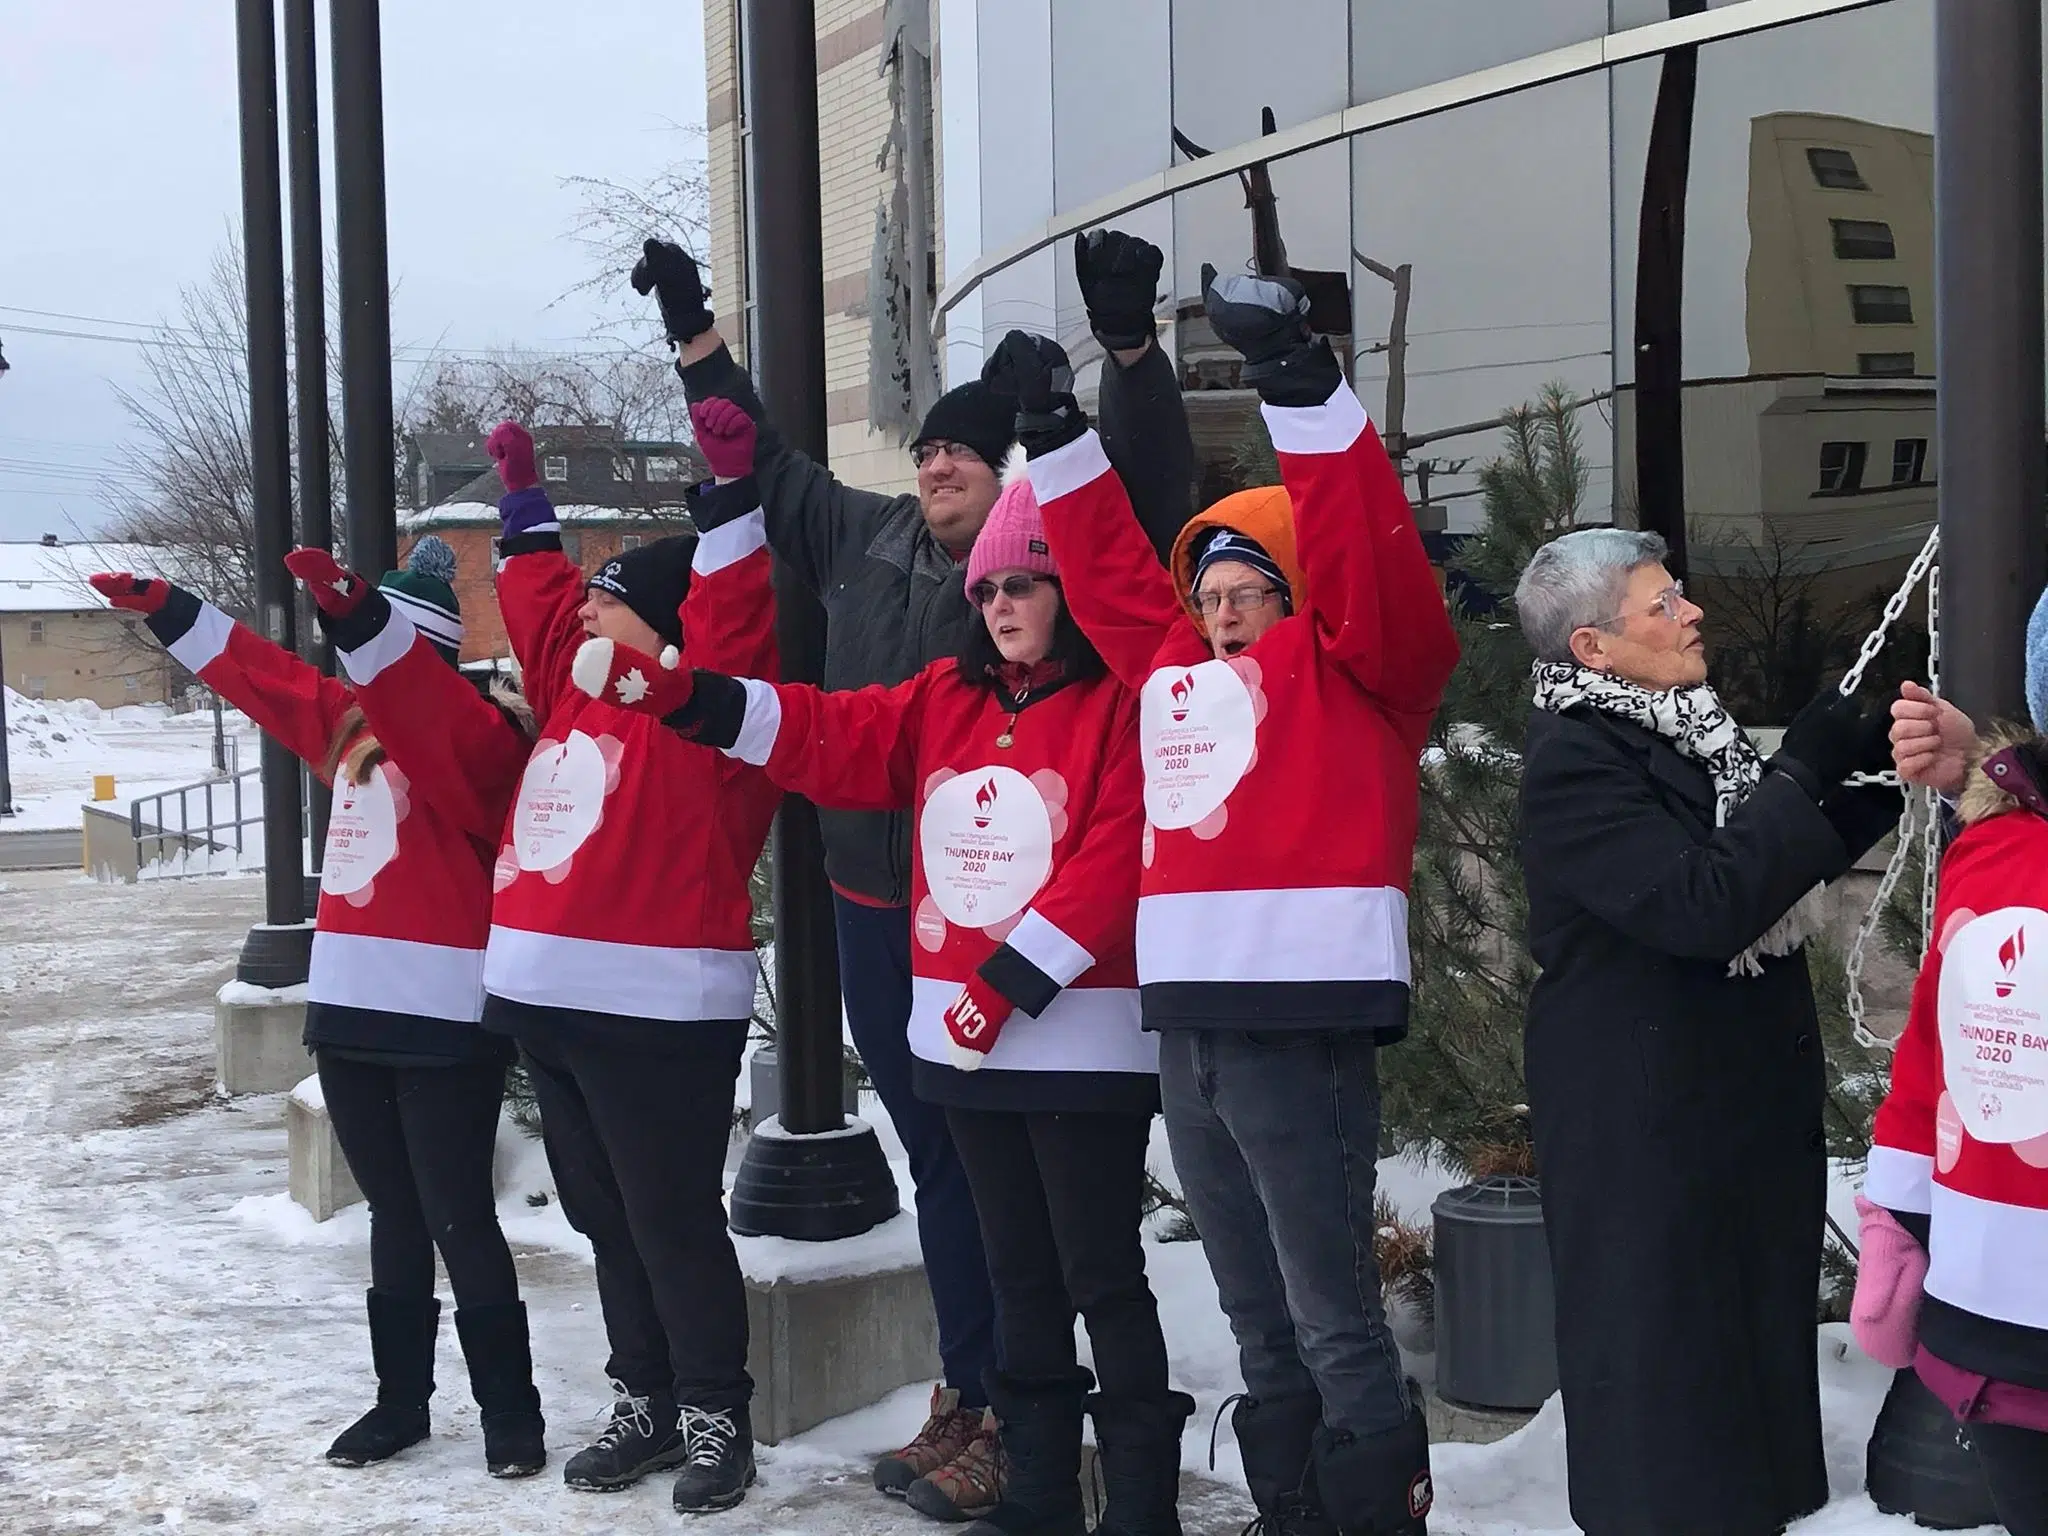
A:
x: 1595, y: 827
x: 815, y: 524
x: 1144, y: 430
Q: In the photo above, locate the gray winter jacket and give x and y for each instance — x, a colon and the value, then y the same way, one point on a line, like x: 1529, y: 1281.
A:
x: 894, y: 599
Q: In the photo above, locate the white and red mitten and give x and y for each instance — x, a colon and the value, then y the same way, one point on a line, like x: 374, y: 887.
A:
x: 973, y: 1021
x: 1891, y: 1280
x: 136, y: 594
x: 631, y: 679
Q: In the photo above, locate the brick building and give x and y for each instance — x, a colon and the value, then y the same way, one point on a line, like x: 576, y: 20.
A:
x: 612, y: 493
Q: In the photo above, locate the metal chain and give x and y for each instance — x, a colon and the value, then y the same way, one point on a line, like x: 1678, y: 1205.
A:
x: 1922, y: 568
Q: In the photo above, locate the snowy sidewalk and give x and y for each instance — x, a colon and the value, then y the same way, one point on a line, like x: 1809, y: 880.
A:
x: 178, y: 1342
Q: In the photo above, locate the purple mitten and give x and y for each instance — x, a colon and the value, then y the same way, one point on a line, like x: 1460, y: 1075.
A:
x: 725, y: 436
x: 1891, y: 1279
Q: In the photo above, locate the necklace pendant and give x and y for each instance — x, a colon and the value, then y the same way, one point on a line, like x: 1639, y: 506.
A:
x: 1004, y: 740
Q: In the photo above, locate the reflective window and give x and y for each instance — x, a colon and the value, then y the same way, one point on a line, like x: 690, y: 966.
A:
x: 1863, y: 240
x: 1397, y: 45
x: 1880, y: 304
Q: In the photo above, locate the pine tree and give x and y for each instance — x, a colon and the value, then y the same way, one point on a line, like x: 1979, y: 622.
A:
x: 1455, y: 1088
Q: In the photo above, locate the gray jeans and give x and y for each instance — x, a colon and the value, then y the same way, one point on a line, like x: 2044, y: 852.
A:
x: 1275, y: 1136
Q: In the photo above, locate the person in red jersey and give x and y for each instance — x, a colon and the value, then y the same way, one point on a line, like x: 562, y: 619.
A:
x: 1018, y: 759
x: 1288, y: 663
x: 621, y: 960
x: 411, y: 1083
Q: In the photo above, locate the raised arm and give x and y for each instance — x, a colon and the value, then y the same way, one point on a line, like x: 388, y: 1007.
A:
x: 1589, y: 809
x: 1114, y: 585
x: 729, y: 612
x: 1088, y: 912
x: 461, y: 753
x: 289, y: 698
x: 1372, y: 595
x: 813, y: 523
x: 540, y: 590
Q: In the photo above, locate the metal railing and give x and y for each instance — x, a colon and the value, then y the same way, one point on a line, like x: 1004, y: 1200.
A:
x: 224, y: 813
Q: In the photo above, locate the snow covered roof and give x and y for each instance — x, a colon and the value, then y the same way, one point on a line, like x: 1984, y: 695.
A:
x: 484, y: 514
x: 51, y: 578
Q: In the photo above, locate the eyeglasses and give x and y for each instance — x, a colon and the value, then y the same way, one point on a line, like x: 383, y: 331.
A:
x: 923, y: 453
x: 1015, y: 588
x: 1668, y: 602
x: 1241, y: 599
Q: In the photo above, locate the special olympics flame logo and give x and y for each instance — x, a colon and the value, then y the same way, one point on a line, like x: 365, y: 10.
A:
x: 2010, y: 954
x: 1182, y: 691
x: 984, y: 803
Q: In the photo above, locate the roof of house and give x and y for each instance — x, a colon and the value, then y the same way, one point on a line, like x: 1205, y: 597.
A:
x: 51, y: 578
x: 484, y: 514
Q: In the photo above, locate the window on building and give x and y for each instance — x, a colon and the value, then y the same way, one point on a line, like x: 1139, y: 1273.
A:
x: 628, y: 541
x: 622, y: 469
x: 664, y: 467
x: 36, y: 634
x: 131, y: 686
x: 1841, y: 468
x: 1836, y: 168
x: 1863, y: 239
x: 1909, y: 460
x: 34, y: 686
x: 555, y: 468
x: 1880, y: 304
x: 1885, y: 365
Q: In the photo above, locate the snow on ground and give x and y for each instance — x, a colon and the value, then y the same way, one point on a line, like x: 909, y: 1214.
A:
x: 56, y: 746
x: 178, y: 1341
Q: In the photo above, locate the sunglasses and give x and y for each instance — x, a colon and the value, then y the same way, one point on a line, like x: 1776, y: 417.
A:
x: 1015, y: 588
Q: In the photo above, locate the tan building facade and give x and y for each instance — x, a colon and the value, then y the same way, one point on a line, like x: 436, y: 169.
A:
x: 60, y: 640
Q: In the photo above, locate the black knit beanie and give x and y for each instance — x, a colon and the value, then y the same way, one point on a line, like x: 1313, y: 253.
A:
x: 652, y: 581
x: 1228, y: 544
x: 976, y: 415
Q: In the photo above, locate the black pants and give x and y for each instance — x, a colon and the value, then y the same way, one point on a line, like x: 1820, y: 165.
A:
x: 2016, y: 1466
x: 1058, y: 1196
x: 419, y: 1141
x: 637, y: 1141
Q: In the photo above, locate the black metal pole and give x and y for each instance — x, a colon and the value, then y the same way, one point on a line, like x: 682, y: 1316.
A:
x: 275, y: 953
x: 309, y: 350
x: 1988, y: 354
x: 6, y: 781
x: 368, y: 448
x: 823, y: 1179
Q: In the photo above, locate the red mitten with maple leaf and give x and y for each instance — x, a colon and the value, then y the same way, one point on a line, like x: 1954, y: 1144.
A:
x: 973, y: 1021
x: 631, y: 679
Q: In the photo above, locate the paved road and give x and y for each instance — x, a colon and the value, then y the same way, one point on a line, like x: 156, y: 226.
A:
x: 40, y: 848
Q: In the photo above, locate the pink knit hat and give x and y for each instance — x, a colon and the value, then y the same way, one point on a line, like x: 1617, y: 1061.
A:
x: 1013, y: 538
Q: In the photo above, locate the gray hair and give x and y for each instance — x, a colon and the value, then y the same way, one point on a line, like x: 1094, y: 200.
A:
x: 1577, y: 581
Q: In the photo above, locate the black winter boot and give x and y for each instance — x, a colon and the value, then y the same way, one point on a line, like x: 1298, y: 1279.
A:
x: 1378, y: 1485
x: 643, y: 1437
x: 1137, y: 1445
x: 1276, y: 1439
x: 1041, y: 1436
x: 500, y: 1356
x: 719, y: 1465
x: 402, y: 1333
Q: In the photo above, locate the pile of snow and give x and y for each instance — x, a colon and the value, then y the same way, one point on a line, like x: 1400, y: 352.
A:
x: 56, y: 747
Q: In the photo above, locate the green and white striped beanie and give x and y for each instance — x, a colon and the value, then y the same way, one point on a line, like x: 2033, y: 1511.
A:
x: 425, y: 592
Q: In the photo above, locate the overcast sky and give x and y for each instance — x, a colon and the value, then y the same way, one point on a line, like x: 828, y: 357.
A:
x: 119, y: 180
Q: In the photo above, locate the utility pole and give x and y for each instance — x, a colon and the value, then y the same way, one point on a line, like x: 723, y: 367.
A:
x: 1396, y: 347
x: 818, y: 1178
x: 6, y: 782
x: 277, y: 952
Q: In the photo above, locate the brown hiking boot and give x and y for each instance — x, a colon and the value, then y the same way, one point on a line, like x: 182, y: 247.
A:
x: 945, y: 1435
x: 971, y: 1484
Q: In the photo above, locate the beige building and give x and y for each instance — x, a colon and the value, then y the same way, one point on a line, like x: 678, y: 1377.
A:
x: 58, y: 637
x: 854, y: 120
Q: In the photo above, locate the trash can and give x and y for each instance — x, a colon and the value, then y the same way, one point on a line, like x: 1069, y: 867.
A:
x: 1496, y: 1333
x: 1920, y: 1462
x: 764, y: 1078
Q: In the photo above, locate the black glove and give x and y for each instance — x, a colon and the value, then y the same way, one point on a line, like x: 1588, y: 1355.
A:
x: 1119, y: 276
x: 1831, y: 738
x: 1035, y: 369
x: 671, y: 273
x: 716, y: 710
x: 1266, y: 319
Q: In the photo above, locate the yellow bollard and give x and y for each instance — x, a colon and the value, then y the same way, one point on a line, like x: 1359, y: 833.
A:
x: 103, y: 786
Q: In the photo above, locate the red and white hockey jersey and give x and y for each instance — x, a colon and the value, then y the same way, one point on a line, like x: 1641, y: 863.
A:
x: 622, y: 883
x: 1024, y: 867
x: 405, y: 897
x: 1281, y: 784
x: 1963, y: 1135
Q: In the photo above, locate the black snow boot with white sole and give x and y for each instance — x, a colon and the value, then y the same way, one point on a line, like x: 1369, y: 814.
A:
x: 718, y: 1465
x: 500, y: 1357
x: 643, y: 1437
x: 402, y: 1333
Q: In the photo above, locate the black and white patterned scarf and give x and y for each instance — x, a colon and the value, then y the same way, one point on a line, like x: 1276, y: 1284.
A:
x: 1696, y: 724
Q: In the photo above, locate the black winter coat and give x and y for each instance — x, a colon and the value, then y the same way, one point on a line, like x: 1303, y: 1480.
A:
x: 1677, y: 1117
x: 894, y: 599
